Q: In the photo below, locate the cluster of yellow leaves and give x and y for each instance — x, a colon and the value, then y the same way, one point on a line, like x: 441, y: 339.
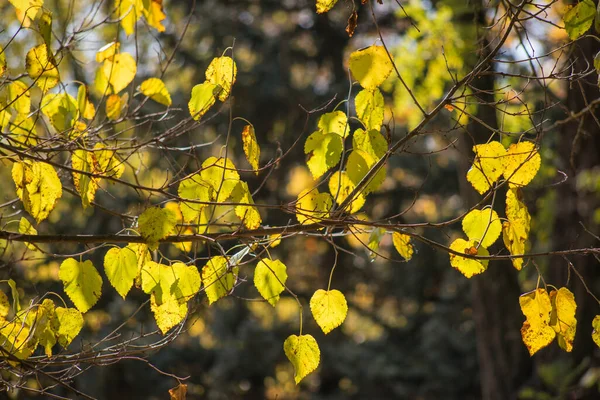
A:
x: 547, y: 317
x: 220, y: 77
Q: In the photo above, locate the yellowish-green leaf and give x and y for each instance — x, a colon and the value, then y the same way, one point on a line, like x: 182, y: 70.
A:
x: 27, y: 10
x: 468, y: 266
x: 61, y: 109
x: 248, y: 214
x: 86, y: 185
x: 38, y: 187
x: 120, y: 71
x: 19, y: 97
x: 222, y: 175
x: 580, y: 18
x: 101, y: 86
x: 488, y: 165
x: 324, y: 152
x: 304, y: 354
x: 596, y: 331
x: 269, y: 278
x: 482, y: 226
x: 562, y: 318
x: 251, y: 147
x: 514, y: 241
x: 371, y: 142
x: 83, y: 283
x: 41, y: 67
x: 108, y: 51
x: 14, y: 338
x: 323, y: 6
x: 23, y: 130
x: 26, y: 228
x: 156, y: 90
x: 85, y: 107
x: 67, y: 324
x: 197, y: 189
x: 2, y: 61
x: 521, y: 163
x: 14, y: 292
x: 154, y: 14
x: 40, y: 322
x: 313, y: 206
x: 156, y: 223
x: 340, y: 187
x: 203, y: 98
x: 370, y: 66
x: 334, y: 122
x: 45, y: 27
x: 218, y: 278
x: 168, y: 312
x: 222, y: 71
x: 374, y: 242
x: 121, y: 268
x: 369, y: 108
x: 358, y: 165
x: 402, y: 244
x: 4, y: 307
x: 329, y: 308
x: 536, y: 331
x: 128, y: 12
x: 108, y: 162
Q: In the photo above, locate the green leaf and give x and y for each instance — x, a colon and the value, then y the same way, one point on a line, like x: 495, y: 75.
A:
x: 580, y: 18
x: 324, y: 151
x: 202, y: 99
x: 369, y: 108
x: 218, y: 281
x: 304, y: 354
x: 15, y: 295
x: 371, y: 66
x: 67, y: 324
x: 329, y: 308
x: 269, y: 278
x: 156, y: 223
x: 83, y: 283
x: 334, y: 122
x: 121, y: 268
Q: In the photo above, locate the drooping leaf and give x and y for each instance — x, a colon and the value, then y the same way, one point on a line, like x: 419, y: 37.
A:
x: 83, y: 283
x: 329, y: 308
x: 156, y: 223
x: 86, y: 185
x: 218, y: 278
x: 580, y: 18
x: 67, y: 324
x: 596, y: 331
x: 114, y: 106
x: 222, y: 175
x: 488, y: 165
x: 121, y: 268
x: 536, y: 331
x: 325, y: 5
x: 154, y: 14
x: 84, y: 105
x: 340, y: 187
x: 562, y: 318
x: 2, y: 61
x: 358, y: 165
x: 370, y: 66
x: 45, y: 27
x: 304, y: 354
x: 4, y: 307
x: 468, y: 266
x: 14, y: 338
x: 521, y: 163
x: 202, y: 99
x: 120, y: 71
x: 179, y: 392
x: 371, y: 142
x: 324, y: 152
x: 222, y: 71
x: 402, y: 244
x: 61, y: 109
x: 369, y: 108
x: 41, y: 323
x: 248, y: 214
x: 374, y: 242
x: 26, y: 228
x: 514, y: 241
x: 156, y: 90
x: 108, y: 161
x: 482, y: 226
x: 38, y: 187
x: 312, y: 206
x: 128, y: 12
x: 251, y: 147
x: 334, y: 122
x: 269, y: 278
x: 41, y: 67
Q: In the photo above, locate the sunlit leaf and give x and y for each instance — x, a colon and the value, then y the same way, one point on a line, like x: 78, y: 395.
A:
x: 269, y: 278
x: 334, y: 122
x: 108, y: 51
x: 108, y: 161
x: 370, y: 66
x: 86, y: 185
x: 562, y: 318
x: 325, y: 5
x: 304, y: 354
x: 324, y: 152
x: 62, y: 110
x: 41, y: 323
x: 248, y: 214
x: 156, y: 223
x: 358, y: 165
x: 371, y: 142
x: 222, y: 175
x: 83, y: 283
x: 38, y: 187
x: 521, y: 163
x: 514, y: 241
x: 218, y: 278
x: 329, y: 308
x: 222, y: 71
x: 179, y: 392
x: 251, y: 147
x: 4, y: 307
x: 129, y: 11
x: 154, y: 14
x: 580, y: 18
x: 41, y: 67
x: 67, y: 325
x: 369, y: 108
x: 120, y: 71
x: 26, y: 228
x: 482, y: 226
x: 19, y: 97
x: 203, y: 98
x: 596, y: 331
x: 114, y: 106
x: 402, y: 244
x: 488, y: 165
x: 27, y: 9
x: 156, y: 90
x: 194, y: 188
x: 45, y: 27
x: 86, y: 108
x: 14, y: 337
x: 468, y: 266
x: 2, y: 61
x: 340, y: 187
x: 536, y: 331
x: 312, y: 206
x: 121, y: 268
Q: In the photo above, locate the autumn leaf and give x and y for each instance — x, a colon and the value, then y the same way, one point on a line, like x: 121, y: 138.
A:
x: 521, y: 163
x: 482, y: 226
x: 312, y: 206
x: 222, y: 72
x: 83, y: 283
x: 121, y: 268
x: 218, y: 279
x: 269, y: 278
x: 536, y: 331
x: 304, y: 354
x: 251, y: 147
x: 369, y: 108
x: 402, y: 244
x: 155, y: 89
x: 329, y: 308
x: 468, y: 266
x: 488, y: 165
x: 370, y: 66
x: 156, y: 223
x: 562, y: 318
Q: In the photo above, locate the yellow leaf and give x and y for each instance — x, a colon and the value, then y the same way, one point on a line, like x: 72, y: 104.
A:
x: 156, y: 90
x: 269, y: 278
x: 83, y: 283
x: 374, y: 241
x: 101, y: 86
x: 153, y: 11
x: 536, y: 331
x: 358, y: 165
x: 41, y: 67
x: 251, y: 147
x: 222, y: 175
x: 218, y: 279
x: 275, y: 240
x: 329, y: 308
x: 369, y: 108
x: 120, y: 71
x: 4, y: 307
x: 156, y: 223
x: 108, y: 162
x: 2, y: 61
x: 19, y: 97
x: 402, y: 244
x: 168, y: 312
x: 23, y: 130
x: 27, y: 9
x: 40, y: 322
x: 370, y: 66
x: 85, y: 107
x: 67, y: 324
x: 468, y: 266
x: 324, y: 151
x: 108, y: 51
x: 514, y: 241
x: 371, y: 142
x: 248, y: 214
x: 38, y: 187
x: 340, y: 187
x: 14, y: 338
x: 304, y: 354
x: 202, y: 99
x: 521, y: 163
x: 121, y: 268
x: 222, y: 71
x: 488, y: 165
x: 312, y: 206
x: 86, y: 185
x: 482, y: 226
x: 61, y: 109
x: 516, y: 210
x: 596, y: 331
x: 114, y: 106
x: 562, y: 318
x: 334, y: 122
x: 129, y: 11
x: 26, y: 228
x: 325, y: 5
x: 179, y: 392
x: 197, y: 189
